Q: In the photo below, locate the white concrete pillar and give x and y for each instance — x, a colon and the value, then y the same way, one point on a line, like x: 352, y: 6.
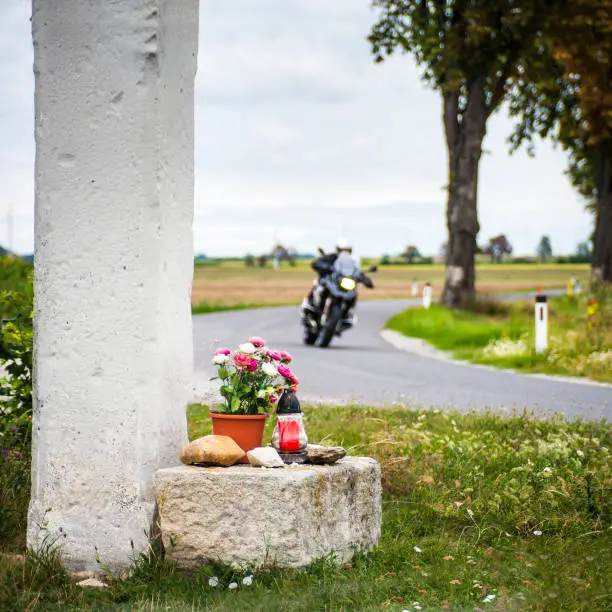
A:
x: 113, y: 267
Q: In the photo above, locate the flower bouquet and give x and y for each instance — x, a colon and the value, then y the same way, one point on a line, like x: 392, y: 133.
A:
x: 253, y: 378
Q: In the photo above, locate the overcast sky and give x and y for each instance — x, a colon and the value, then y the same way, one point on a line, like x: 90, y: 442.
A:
x: 300, y: 136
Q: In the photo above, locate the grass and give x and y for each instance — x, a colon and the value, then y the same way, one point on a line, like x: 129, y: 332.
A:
x: 505, y: 338
x: 210, y: 307
x: 471, y: 492
x: 233, y: 284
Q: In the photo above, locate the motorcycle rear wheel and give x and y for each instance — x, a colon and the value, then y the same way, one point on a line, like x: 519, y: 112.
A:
x: 327, y: 333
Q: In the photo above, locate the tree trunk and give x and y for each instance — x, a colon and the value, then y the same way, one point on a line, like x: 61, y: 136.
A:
x: 602, y: 244
x: 464, y: 140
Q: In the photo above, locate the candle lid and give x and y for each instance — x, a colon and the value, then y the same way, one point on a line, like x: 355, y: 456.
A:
x: 288, y: 403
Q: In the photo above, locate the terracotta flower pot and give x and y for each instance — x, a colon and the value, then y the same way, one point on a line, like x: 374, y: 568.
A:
x: 245, y: 429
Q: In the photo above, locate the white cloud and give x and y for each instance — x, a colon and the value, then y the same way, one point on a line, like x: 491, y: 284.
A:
x: 300, y: 134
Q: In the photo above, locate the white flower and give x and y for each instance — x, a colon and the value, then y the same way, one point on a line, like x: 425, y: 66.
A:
x: 248, y: 580
x: 470, y: 512
x: 213, y: 582
x: 232, y: 585
x: 247, y: 348
x: 537, y: 532
x: 417, y: 549
x: 261, y: 394
x: 579, y: 453
x: 219, y: 359
x: 488, y: 598
x: 416, y: 605
x: 269, y: 369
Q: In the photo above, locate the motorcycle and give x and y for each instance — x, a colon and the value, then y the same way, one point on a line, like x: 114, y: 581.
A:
x: 327, y: 313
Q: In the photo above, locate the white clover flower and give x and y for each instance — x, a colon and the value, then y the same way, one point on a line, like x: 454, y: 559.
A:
x: 247, y: 348
x: 470, y: 512
x: 247, y: 580
x: 417, y: 549
x: 488, y: 598
x: 580, y: 453
x: 213, y: 582
x: 232, y: 585
x: 269, y: 369
x: 537, y: 532
x: 416, y: 605
x: 219, y: 359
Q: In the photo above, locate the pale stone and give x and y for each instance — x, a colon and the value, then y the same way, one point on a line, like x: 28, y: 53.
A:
x: 92, y: 582
x: 323, y: 455
x: 218, y: 450
x: 265, y: 457
x: 114, y: 263
x: 243, y: 516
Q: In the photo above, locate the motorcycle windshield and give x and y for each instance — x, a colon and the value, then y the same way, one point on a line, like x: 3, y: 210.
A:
x: 346, y: 266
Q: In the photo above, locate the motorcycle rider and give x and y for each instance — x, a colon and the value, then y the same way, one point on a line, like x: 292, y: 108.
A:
x: 324, y: 265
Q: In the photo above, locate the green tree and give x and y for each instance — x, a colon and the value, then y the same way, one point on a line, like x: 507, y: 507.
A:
x: 470, y: 51
x: 411, y: 253
x: 544, y: 250
x: 564, y: 92
x: 497, y: 247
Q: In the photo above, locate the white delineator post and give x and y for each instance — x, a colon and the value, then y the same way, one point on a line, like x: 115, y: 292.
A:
x: 113, y: 267
x: 427, y: 296
x: 541, y: 324
x: 415, y: 288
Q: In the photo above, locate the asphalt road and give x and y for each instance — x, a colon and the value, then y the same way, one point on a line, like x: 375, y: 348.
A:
x: 362, y: 367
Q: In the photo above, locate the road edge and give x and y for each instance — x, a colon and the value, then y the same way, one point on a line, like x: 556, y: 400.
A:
x: 422, y: 348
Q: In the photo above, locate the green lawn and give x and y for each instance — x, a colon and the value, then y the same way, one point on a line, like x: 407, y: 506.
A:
x: 503, y: 335
x: 517, y: 511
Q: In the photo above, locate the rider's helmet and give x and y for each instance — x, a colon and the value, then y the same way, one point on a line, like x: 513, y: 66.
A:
x: 342, y: 244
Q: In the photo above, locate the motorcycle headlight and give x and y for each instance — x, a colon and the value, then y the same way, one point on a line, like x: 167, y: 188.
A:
x: 348, y: 284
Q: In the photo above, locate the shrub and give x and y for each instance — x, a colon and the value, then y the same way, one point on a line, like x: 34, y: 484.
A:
x: 16, y: 342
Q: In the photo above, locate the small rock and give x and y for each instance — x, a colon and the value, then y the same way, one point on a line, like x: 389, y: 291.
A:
x: 92, y: 582
x: 322, y: 455
x: 83, y: 575
x: 264, y: 457
x: 215, y: 450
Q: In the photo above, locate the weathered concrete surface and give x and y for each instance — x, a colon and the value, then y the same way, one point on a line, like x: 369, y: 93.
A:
x: 246, y: 516
x: 113, y: 268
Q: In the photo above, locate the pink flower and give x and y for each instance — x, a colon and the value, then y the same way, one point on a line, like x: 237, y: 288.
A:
x: 283, y: 370
x: 257, y: 341
x: 222, y: 351
x: 242, y: 360
x: 253, y: 365
x: 294, y: 380
x: 273, y: 355
x: 286, y: 357
x: 273, y: 399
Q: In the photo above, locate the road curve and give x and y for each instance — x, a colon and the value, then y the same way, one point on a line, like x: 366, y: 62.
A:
x: 362, y: 367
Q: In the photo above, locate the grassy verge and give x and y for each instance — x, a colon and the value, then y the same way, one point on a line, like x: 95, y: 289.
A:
x: 210, y: 307
x: 514, y: 511
x: 503, y: 336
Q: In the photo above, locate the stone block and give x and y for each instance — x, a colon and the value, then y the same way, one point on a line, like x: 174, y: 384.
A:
x: 245, y: 516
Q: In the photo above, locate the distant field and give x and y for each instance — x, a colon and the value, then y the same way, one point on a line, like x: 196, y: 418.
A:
x: 231, y: 284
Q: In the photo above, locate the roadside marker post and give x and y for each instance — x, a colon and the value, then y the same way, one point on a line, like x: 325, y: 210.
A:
x: 541, y: 324
x: 415, y: 287
x: 427, y: 296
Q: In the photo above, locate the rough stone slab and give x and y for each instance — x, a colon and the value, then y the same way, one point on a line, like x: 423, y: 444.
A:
x: 246, y: 516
